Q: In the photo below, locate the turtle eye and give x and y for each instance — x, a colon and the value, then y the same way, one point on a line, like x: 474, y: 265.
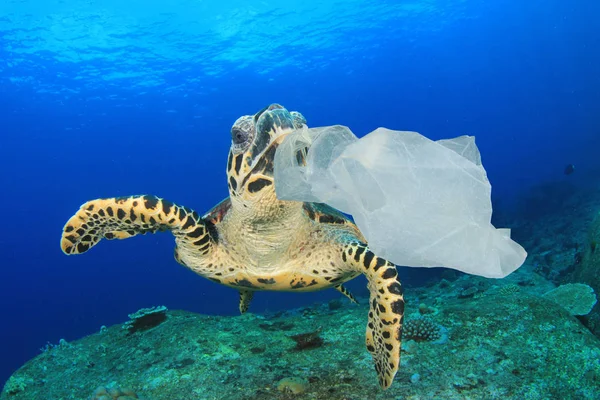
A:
x: 242, y: 134
x: 238, y: 136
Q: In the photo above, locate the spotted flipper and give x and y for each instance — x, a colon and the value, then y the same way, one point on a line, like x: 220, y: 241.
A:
x: 124, y: 217
x: 245, y: 299
x: 342, y: 289
x: 386, y: 314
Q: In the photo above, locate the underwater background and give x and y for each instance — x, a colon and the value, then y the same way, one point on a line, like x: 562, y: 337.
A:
x: 113, y: 98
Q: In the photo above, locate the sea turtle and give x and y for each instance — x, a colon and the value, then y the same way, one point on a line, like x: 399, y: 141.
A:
x: 253, y: 241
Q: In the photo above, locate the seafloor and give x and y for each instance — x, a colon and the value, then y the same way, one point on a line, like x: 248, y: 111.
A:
x: 468, y: 338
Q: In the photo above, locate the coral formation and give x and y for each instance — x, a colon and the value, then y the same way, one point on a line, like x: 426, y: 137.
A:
x: 509, y: 289
x: 114, y: 393
x: 576, y: 298
x: 146, y: 318
x: 468, y: 292
x: 309, y: 340
x: 14, y: 385
x: 421, y: 330
x: 292, y: 385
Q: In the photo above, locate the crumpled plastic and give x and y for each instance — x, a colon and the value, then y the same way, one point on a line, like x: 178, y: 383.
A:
x: 418, y: 202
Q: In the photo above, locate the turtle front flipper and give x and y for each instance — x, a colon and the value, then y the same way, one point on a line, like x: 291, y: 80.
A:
x: 124, y: 217
x: 386, y: 314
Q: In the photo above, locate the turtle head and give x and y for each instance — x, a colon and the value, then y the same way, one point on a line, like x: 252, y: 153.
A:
x: 254, y: 141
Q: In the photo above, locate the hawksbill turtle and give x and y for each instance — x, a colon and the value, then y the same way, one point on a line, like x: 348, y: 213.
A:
x: 253, y: 241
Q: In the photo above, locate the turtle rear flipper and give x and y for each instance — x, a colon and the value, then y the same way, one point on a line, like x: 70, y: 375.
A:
x: 124, y: 217
x: 343, y: 290
x: 245, y: 299
x: 386, y: 313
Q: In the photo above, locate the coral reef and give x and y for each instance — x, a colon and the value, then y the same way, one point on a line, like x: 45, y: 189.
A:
x: 588, y: 270
x: 563, y: 241
x: 522, y: 347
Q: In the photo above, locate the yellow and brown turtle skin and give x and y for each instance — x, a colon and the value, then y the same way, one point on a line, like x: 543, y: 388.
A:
x: 252, y: 241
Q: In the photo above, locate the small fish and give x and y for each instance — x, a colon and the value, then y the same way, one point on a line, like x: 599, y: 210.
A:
x: 569, y: 169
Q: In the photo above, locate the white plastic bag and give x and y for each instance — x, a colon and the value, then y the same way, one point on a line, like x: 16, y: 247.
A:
x: 418, y: 202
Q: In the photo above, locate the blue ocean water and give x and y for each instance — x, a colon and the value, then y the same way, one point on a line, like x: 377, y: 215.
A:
x: 115, y: 98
